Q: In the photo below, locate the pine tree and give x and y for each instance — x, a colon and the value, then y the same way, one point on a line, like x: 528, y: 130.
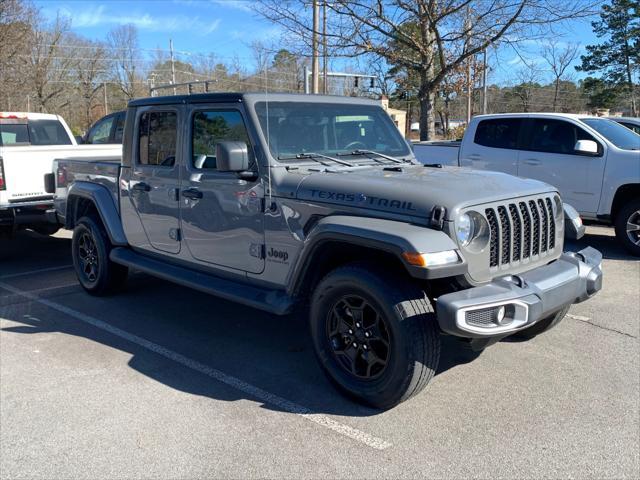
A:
x: 618, y: 57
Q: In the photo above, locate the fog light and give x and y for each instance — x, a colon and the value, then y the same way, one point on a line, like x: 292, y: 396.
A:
x: 500, y: 315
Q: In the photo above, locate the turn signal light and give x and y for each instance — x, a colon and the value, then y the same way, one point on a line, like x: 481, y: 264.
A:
x: 433, y: 259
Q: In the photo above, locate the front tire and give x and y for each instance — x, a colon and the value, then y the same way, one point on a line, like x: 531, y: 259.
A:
x: 628, y: 227
x: 90, y: 247
x: 375, y: 334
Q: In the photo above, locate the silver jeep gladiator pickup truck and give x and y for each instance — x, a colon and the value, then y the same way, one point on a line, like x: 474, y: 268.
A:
x: 279, y: 200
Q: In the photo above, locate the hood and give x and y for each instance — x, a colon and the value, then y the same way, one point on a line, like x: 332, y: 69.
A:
x: 415, y: 189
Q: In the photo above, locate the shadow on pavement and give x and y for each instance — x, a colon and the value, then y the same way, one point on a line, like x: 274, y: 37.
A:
x: 270, y: 352
x: 597, y: 238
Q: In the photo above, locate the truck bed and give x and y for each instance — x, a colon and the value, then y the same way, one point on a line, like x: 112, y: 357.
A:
x: 103, y: 171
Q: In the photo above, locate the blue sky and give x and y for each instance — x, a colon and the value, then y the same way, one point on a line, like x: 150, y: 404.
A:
x: 227, y: 27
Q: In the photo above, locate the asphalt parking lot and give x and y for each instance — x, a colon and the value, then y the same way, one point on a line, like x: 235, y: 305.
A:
x: 164, y: 382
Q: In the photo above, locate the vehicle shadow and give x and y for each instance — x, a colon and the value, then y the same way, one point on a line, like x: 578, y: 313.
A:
x: 602, y: 239
x: 272, y: 353
x: 27, y: 247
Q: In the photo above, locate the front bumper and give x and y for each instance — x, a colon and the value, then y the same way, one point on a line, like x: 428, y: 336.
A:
x: 515, y: 302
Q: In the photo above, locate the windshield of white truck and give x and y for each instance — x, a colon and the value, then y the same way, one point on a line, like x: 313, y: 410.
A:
x: 617, y: 134
x: 298, y: 130
x: 32, y: 132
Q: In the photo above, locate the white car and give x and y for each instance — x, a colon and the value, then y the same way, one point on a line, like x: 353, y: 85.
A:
x: 593, y: 162
x: 29, y: 142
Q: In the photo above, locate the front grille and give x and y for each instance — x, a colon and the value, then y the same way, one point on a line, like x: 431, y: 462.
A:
x: 519, y: 231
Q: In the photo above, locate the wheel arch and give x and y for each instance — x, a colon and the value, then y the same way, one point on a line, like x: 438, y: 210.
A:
x: 624, y: 193
x: 338, y: 240
x: 86, y: 198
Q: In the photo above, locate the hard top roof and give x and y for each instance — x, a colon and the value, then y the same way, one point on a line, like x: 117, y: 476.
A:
x: 232, y: 97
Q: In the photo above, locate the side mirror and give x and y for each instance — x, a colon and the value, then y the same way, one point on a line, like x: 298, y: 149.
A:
x: 79, y: 139
x: 588, y: 147
x: 232, y: 156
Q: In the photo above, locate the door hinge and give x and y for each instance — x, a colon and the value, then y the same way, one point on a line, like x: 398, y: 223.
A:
x: 175, y: 234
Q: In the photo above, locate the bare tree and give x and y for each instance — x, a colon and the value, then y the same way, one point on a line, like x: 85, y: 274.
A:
x: 417, y: 34
x: 50, y: 63
x: 127, y: 68
x: 559, y: 57
x: 90, y: 75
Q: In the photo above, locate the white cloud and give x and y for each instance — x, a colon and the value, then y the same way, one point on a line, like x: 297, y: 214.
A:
x: 89, y: 18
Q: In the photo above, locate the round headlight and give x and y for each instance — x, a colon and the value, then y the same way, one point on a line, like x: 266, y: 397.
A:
x: 464, y: 229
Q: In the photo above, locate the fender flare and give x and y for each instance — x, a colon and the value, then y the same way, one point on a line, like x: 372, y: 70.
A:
x: 390, y: 236
x: 106, y: 207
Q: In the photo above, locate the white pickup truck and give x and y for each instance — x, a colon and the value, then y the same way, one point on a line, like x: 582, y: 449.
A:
x: 593, y: 162
x: 29, y: 142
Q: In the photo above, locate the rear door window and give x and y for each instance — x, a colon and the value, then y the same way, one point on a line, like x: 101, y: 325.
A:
x: 157, y: 138
x: 498, y: 133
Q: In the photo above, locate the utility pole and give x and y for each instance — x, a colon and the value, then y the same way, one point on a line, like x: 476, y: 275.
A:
x: 325, y: 88
x: 28, y: 103
x: 173, y: 67
x: 484, y: 81
x: 314, y: 47
x: 467, y: 28
x: 104, y: 92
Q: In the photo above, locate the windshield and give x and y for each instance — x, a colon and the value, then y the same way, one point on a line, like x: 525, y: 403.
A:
x: 620, y: 136
x: 328, y: 129
x: 33, y: 132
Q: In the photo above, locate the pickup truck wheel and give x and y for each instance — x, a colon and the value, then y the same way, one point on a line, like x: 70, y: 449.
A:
x: 90, y: 247
x: 541, y: 326
x: 628, y: 227
x: 375, y: 334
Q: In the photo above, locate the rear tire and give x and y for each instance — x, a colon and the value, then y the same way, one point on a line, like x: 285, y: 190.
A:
x: 90, y: 247
x: 393, y: 327
x: 628, y: 227
x: 541, y: 326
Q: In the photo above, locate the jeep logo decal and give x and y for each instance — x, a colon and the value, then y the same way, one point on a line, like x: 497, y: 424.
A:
x: 278, y: 255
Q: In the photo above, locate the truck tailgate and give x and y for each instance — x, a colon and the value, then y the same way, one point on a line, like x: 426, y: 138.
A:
x: 444, y: 152
x: 25, y: 167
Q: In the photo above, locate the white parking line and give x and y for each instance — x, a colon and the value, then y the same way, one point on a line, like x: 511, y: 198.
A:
x: 31, y: 272
x: 260, y: 394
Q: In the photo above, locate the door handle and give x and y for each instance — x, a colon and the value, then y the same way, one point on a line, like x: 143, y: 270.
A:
x: 532, y: 161
x: 475, y: 155
x: 141, y: 187
x: 192, y: 194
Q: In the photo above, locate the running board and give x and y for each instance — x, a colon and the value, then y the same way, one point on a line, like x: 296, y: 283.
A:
x: 272, y: 301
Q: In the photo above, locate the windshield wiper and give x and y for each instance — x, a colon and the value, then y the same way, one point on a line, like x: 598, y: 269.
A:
x: 315, y: 156
x: 372, y: 152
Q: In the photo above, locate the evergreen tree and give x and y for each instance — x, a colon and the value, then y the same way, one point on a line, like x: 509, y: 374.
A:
x: 618, y: 57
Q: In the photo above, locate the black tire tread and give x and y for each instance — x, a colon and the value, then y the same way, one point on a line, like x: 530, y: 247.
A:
x: 621, y: 226
x: 417, y: 315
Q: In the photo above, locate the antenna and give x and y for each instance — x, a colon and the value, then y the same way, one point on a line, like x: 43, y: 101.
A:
x: 266, y: 99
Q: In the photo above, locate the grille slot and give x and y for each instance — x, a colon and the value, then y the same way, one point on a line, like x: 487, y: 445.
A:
x: 535, y: 250
x: 552, y: 225
x: 493, y: 226
x: 519, y: 231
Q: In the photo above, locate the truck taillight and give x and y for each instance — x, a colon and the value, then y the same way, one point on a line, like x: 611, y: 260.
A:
x: 3, y: 185
x: 61, y: 179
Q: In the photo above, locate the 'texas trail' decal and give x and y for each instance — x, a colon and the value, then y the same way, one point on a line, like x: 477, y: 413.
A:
x: 362, y: 199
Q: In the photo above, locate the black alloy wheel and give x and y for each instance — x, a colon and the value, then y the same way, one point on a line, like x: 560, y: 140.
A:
x: 88, y: 256
x: 359, y: 337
